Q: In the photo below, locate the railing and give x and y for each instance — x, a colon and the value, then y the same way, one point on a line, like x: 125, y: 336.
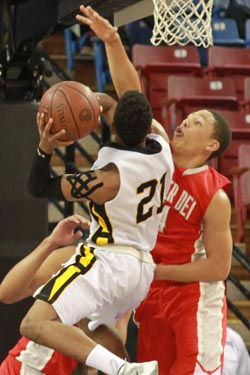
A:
x: 245, y: 262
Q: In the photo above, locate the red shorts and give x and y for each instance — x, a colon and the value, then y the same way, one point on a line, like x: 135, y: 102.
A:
x: 56, y: 363
x: 183, y: 326
x: 10, y: 366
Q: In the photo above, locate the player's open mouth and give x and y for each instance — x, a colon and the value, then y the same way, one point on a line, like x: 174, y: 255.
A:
x: 178, y: 132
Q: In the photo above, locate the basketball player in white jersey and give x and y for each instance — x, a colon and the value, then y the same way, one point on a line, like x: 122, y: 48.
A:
x: 113, y: 271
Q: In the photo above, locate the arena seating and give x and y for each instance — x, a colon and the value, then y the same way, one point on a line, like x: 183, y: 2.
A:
x: 225, y: 32
x: 187, y: 94
x: 241, y: 185
x: 156, y: 64
x: 233, y: 62
x: 245, y: 103
x: 247, y: 33
x: 239, y: 122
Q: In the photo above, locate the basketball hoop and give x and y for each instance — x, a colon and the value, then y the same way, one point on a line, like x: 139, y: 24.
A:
x: 182, y: 22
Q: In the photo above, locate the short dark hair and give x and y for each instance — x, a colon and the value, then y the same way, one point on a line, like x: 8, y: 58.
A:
x: 133, y: 118
x: 222, y: 132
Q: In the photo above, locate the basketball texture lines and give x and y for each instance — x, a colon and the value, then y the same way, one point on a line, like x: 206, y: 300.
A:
x: 73, y: 107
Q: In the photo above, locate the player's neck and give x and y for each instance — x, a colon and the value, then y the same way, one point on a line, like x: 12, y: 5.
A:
x: 188, y: 163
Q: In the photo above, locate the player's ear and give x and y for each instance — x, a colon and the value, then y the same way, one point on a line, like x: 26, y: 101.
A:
x: 213, y: 145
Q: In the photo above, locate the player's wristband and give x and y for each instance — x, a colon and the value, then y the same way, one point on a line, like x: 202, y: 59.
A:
x: 42, y: 154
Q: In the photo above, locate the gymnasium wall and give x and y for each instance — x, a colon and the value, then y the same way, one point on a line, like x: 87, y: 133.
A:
x: 23, y: 219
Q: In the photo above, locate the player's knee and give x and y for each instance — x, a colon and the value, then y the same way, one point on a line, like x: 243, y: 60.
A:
x: 30, y: 328
x: 116, y: 346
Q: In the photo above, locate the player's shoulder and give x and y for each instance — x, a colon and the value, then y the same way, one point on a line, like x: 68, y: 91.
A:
x: 220, y: 203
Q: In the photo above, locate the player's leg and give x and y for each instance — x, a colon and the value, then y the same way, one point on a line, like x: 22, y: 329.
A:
x: 155, y: 336
x: 199, y: 328
x: 73, y: 296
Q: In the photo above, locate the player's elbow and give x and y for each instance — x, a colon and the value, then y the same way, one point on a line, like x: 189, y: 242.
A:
x: 6, y: 299
x: 225, y: 274
x: 222, y: 271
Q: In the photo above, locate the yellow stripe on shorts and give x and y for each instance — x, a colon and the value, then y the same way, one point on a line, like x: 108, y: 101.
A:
x: 57, y: 284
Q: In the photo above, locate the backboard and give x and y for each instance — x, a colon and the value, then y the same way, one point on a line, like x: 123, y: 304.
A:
x: 119, y: 12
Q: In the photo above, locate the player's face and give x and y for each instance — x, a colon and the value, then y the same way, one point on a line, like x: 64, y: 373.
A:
x: 195, y: 133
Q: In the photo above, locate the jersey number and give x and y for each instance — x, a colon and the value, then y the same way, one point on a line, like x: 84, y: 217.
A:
x: 143, y: 213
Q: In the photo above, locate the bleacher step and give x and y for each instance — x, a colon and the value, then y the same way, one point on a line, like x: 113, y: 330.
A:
x: 244, y: 307
x: 234, y: 293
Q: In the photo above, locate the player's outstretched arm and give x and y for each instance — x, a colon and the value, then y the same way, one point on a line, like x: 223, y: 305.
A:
x: 108, y: 105
x: 37, y: 267
x: 123, y: 72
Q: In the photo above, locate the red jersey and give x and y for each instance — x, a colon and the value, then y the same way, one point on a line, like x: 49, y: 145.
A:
x: 187, y: 200
x: 187, y: 321
x: 29, y: 358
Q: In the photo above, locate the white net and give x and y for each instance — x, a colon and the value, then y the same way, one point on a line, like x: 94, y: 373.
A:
x: 182, y: 22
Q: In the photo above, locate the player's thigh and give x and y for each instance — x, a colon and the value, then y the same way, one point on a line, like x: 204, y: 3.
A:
x: 156, y: 339
x: 199, y: 328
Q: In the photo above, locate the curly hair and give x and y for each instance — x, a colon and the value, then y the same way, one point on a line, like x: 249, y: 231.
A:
x: 133, y: 118
x: 222, y: 132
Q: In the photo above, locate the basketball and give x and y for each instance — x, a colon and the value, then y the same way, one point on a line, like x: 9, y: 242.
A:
x: 73, y: 107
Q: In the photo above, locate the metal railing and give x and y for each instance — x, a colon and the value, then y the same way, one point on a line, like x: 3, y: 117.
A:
x: 245, y: 263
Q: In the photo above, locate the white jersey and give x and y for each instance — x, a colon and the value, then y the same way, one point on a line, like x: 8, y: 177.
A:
x: 112, y: 273
x: 132, y: 217
x: 236, y: 357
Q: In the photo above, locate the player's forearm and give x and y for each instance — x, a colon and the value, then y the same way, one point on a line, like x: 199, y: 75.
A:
x: 40, y: 184
x: 18, y: 283
x: 204, y: 270
x: 123, y: 72
x: 108, y: 105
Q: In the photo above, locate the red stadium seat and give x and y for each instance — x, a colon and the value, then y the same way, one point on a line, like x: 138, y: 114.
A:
x: 166, y: 58
x: 241, y: 185
x: 245, y: 103
x: 188, y: 94
x: 233, y: 62
x: 239, y: 122
x: 156, y: 63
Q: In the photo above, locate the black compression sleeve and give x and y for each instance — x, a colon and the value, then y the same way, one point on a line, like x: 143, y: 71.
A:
x: 40, y: 184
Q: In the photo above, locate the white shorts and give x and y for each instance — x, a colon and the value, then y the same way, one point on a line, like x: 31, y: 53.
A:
x: 99, y: 284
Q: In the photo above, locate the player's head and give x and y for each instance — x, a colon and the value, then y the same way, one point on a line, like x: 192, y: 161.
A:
x: 204, y: 134
x: 132, y: 118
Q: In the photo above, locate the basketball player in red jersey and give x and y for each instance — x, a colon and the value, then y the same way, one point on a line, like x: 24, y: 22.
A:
x: 22, y: 281
x: 182, y: 321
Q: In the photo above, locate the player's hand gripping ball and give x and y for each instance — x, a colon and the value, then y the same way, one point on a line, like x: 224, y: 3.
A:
x: 73, y: 107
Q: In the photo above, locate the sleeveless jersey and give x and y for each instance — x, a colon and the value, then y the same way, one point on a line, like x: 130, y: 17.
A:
x: 29, y: 358
x: 185, y: 205
x: 132, y: 217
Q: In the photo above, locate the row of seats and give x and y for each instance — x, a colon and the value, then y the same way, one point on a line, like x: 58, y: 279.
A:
x: 224, y: 34
x: 228, y: 64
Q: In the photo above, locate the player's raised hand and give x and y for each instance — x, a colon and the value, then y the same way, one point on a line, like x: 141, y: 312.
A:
x: 101, y: 27
x: 48, y: 141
